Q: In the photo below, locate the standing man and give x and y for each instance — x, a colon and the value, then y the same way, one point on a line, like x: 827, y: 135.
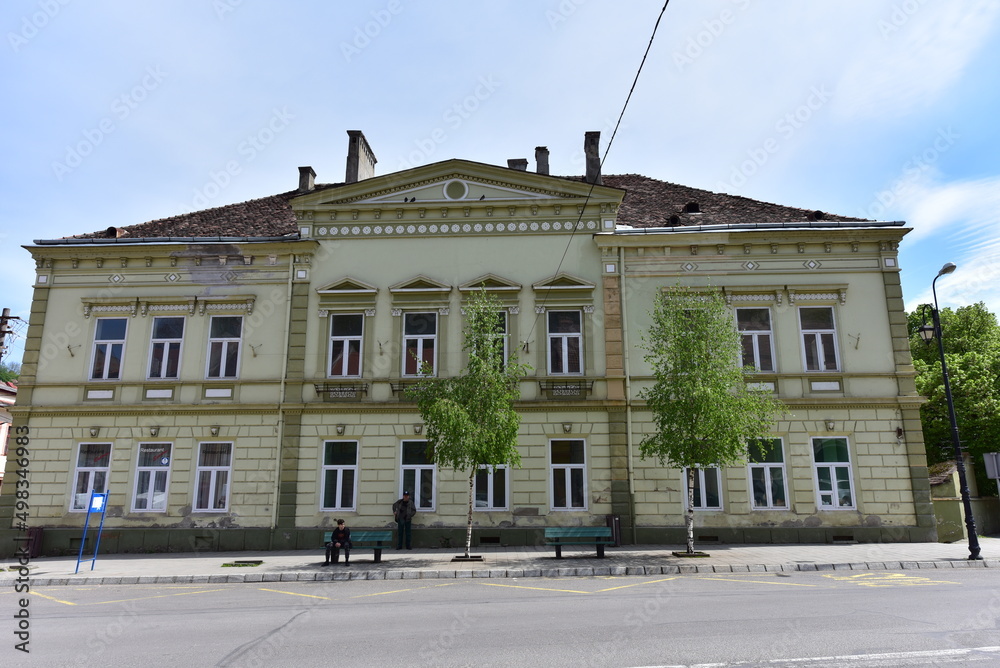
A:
x: 404, y: 510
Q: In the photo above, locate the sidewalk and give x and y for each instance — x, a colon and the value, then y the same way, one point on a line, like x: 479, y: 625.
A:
x: 498, y: 562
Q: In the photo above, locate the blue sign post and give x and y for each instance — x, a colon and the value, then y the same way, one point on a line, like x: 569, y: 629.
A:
x: 98, y: 504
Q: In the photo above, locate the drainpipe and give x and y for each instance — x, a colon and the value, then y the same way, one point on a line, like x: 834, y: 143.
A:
x: 281, y: 399
x: 626, y: 369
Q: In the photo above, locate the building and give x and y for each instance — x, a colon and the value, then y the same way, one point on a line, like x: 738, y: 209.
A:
x: 236, y: 377
x: 8, y: 395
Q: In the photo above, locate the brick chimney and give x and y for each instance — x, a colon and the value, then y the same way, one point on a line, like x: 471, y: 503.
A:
x: 520, y: 164
x: 307, y: 179
x: 360, y: 159
x: 542, y: 160
x: 591, y: 149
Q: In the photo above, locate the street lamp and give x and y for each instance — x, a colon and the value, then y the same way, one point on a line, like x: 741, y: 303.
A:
x: 928, y: 332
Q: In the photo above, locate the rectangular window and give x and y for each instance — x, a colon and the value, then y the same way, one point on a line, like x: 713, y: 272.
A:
x: 419, y: 343
x: 834, y: 485
x: 340, y: 474
x: 565, y: 331
x: 707, y: 489
x: 755, y: 333
x: 212, y: 477
x: 93, y: 462
x: 568, y: 474
x: 165, y: 347
x: 767, y: 475
x: 819, y: 338
x: 346, y: 331
x: 491, y: 488
x: 109, y: 348
x: 152, y: 476
x: 225, y: 332
x: 418, y: 474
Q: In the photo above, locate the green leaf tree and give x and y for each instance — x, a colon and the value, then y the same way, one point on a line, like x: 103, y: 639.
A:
x: 971, y: 339
x: 470, y: 420
x: 703, y: 411
x: 9, y: 371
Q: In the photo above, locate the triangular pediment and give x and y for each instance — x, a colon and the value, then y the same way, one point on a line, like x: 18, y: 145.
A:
x: 563, y: 281
x: 419, y: 284
x: 348, y: 286
x: 490, y: 282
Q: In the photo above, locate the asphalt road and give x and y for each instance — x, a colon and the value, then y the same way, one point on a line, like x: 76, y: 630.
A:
x: 861, y: 619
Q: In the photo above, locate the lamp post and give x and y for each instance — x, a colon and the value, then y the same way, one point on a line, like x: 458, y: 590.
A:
x: 927, y: 333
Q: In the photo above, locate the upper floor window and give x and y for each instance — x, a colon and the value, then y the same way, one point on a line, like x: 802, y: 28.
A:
x: 565, y: 332
x: 109, y: 348
x: 165, y: 348
x: 225, y: 332
x: 346, y: 331
x: 419, y: 343
x: 819, y: 338
x: 755, y: 334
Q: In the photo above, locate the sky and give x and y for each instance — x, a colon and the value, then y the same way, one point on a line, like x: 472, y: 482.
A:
x: 117, y: 112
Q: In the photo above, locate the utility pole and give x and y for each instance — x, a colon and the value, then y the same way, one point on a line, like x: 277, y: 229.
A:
x: 5, y: 329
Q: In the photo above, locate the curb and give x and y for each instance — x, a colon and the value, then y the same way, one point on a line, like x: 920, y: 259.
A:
x: 511, y: 573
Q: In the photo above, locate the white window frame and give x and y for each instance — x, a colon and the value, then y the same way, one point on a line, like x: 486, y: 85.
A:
x: 346, y: 341
x: 490, y: 478
x: 108, y: 344
x: 755, y: 336
x: 833, y: 467
x: 155, y: 472
x: 418, y: 473
x: 563, y: 339
x: 565, y: 471
x: 80, y: 501
x: 225, y: 342
x: 421, y: 340
x: 165, y: 344
x: 817, y: 335
x: 213, y: 471
x: 338, y: 470
x: 767, y: 468
x: 700, y: 498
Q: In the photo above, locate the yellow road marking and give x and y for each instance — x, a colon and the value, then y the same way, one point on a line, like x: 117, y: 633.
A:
x: 52, y: 598
x: 568, y: 591
x: 292, y: 593
x: 765, y: 582
x: 637, y: 584
x: 146, y: 598
x: 399, y: 591
x: 887, y: 579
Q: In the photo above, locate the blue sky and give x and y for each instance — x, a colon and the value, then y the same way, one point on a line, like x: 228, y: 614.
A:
x: 119, y: 112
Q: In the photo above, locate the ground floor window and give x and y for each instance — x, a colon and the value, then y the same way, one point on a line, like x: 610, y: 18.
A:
x: 834, y: 480
x: 340, y: 473
x: 491, y: 488
x: 418, y: 474
x: 568, y: 474
x: 707, y: 489
x: 93, y: 461
x: 151, y: 477
x: 213, y: 475
x: 767, y: 475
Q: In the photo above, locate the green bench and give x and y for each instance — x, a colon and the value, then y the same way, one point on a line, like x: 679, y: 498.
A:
x: 559, y: 536
x: 366, y: 540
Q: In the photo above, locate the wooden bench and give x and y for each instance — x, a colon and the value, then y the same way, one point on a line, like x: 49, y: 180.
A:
x: 364, y: 539
x: 559, y: 536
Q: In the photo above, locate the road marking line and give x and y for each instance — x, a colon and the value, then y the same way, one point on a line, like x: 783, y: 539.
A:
x: 764, y: 582
x: 51, y: 598
x: 568, y: 591
x: 292, y: 593
x: 887, y: 580
x: 638, y: 583
x: 146, y: 598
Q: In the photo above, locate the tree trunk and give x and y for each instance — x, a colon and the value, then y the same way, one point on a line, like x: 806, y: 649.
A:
x: 689, y: 515
x: 472, y: 496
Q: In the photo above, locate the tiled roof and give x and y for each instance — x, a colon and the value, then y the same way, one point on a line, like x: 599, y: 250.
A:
x: 648, y: 203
